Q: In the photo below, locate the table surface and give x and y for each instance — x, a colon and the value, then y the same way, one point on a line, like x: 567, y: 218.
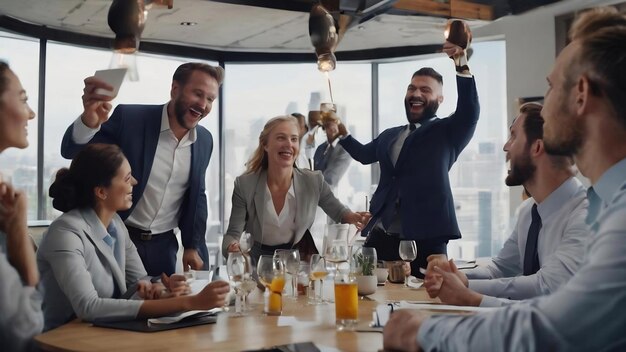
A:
x: 315, y: 323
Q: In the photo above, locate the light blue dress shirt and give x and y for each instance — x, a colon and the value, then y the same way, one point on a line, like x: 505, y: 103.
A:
x: 561, y: 246
x: 587, y: 314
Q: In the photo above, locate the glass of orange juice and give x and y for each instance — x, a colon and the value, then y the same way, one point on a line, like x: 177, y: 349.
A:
x: 271, y: 272
x: 346, y: 301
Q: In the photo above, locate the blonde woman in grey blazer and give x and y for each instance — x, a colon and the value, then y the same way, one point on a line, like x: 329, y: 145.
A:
x: 275, y: 201
x: 87, y: 259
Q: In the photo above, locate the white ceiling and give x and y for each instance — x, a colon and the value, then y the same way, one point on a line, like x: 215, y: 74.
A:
x: 229, y: 27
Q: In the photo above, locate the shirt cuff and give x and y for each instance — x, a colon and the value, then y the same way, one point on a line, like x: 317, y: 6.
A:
x: 81, y: 134
x: 466, y: 75
x: 489, y: 301
x: 480, y: 286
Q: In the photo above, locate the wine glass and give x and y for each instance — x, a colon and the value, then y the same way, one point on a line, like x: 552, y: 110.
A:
x: 236, y: 268
x: 271, y: 273
x: 245, y: 242
x: 317, y: 271
x: 291, y: 261
x: 408, y: 253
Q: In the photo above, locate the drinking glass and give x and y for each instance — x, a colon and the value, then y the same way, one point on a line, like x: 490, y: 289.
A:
x: 317, y: 271
x: 336, y: 243
x: 236, y: 268
x: 326, y: 109
x: 291, y: 261
x: 346, y: 297
x: 408, y: 253
x: 271, y: 273
x: 245, y: 242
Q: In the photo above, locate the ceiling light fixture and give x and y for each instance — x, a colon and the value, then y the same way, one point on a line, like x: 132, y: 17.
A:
x: 127, y: 19
x: 323, y: 32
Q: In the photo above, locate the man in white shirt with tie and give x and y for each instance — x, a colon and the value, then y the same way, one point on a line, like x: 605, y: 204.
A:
x: 547, y: 244
x: 330, y: 157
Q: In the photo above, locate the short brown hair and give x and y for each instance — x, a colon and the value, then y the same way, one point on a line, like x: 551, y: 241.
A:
x: 592, y: 20
x: 601, y: 33
x: 184, y: 71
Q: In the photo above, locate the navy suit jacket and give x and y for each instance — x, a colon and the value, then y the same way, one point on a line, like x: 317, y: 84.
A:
x: 419, y: 180
x: 135, y: 129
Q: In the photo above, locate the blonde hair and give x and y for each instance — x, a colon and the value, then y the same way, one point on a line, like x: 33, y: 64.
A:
x: 258, y: 160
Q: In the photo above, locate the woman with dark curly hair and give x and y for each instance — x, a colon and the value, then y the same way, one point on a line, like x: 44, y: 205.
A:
x: 88, y: 263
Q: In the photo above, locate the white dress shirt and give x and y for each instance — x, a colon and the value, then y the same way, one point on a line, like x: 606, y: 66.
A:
x: 560, y: 248
x: 588, y: 313
x: 279, y: 228
x: 158, y: 208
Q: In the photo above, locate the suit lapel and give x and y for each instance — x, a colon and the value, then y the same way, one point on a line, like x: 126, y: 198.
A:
x: 151, y: 133
x: 388, y: 145
x: 95, y: 231
x: 259, y: 196
x: 412, y: 138
x: 304, y: 206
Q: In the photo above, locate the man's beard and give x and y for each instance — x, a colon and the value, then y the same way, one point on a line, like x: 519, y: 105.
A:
x: 429, y: 110
x: 180, y: 109
x: 565, y: 147
x: 521, y: 171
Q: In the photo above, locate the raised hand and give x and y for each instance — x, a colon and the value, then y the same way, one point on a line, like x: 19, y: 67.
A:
x: 96, y: 106
x: 13, y: 211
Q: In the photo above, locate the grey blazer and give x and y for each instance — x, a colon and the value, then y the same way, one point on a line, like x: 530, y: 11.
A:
x: 79, y: 271
x: 249, y: 204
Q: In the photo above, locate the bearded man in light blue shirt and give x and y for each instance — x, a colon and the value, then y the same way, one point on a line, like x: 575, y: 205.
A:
x: 585, y: 115
x: 531, y: 263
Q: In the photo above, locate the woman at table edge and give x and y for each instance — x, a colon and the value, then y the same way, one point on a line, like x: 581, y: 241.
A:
x: 276, y: 202
x: 86, y: 258
x: 20, y: 301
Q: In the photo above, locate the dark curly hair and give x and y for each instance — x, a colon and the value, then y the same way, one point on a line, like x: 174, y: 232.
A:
x: 94, y: 166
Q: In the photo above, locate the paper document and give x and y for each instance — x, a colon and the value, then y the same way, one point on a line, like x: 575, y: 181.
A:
x: 383, y: 311
x: 190, y: 314
x: 114, y: 77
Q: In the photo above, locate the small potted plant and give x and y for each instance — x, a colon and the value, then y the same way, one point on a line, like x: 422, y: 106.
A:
x: 365, y: 260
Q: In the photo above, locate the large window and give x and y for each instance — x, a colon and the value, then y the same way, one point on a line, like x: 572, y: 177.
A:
x: 20, y: 166
x: 64, y: 85
x: 256, y: 93
x: 477, y: 178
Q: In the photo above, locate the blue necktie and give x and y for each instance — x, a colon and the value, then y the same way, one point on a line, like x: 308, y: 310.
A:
x: 531, y: 258
x: 595, y: 204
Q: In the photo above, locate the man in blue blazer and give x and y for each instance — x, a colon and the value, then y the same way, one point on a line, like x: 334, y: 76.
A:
x: 169, y: 154
x: 413, y: 200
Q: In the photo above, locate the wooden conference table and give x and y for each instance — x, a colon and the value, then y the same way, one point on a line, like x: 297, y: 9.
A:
x: 233, y: 333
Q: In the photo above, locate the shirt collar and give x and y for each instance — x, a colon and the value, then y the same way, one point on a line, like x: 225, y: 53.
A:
x: 555, y: 200
x: 610, y: 181
x: 165, y: 125
x: 334, y: 143
x: 417, y: 124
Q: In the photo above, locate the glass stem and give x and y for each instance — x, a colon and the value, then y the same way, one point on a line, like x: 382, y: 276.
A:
x: 406, y: 280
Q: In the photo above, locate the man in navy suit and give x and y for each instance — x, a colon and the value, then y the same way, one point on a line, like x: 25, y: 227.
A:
x: 413, y: 200
x: 169, y: 154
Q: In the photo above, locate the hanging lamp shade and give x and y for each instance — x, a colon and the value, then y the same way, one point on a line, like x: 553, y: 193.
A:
x: 127, y: 19
x: 324, y: 36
